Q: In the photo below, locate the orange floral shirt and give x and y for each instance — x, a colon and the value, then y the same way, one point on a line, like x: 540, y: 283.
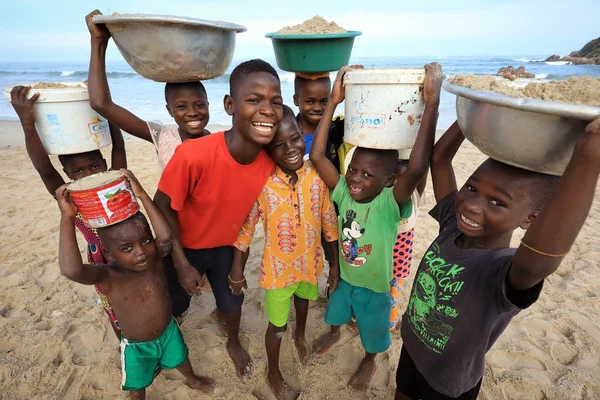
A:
x: 293, y: 216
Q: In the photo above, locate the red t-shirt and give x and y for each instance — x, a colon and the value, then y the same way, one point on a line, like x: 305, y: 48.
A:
x: 211, y: 192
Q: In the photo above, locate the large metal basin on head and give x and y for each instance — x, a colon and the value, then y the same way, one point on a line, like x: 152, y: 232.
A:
x: 173, y: 49
x: 532, y: 134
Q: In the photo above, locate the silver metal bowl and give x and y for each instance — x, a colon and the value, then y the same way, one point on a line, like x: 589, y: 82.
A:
x: 532, y: 134
x: 173, y: 49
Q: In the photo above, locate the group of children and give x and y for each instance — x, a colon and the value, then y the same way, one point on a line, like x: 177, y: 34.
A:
x: 214, y: 188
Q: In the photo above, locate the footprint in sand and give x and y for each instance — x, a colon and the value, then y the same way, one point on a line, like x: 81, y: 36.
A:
x: 49, y: 275
x: 515, y: 361
x: 564, y: 353
x: 6, y: 346
x: 14, y: 280
x: 14, y: 311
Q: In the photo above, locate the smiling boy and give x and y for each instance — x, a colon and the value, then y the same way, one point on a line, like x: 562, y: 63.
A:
x: 208, y: 188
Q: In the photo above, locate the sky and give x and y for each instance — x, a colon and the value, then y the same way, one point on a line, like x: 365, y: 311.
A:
x: 46, y: 30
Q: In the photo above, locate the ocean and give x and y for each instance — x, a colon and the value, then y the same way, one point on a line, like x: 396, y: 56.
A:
x: 145, y: 98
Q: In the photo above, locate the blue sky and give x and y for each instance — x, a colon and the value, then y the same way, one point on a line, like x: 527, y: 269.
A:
x: 36, y: 30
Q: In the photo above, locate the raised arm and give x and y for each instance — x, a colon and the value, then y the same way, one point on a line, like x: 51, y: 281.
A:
x: 159, y: 223
x: 69, y: 258
x: 99, y: 92
x: 555, y: 229
x: 35, y: 149
x: 423, y: 148
x: 442, y: 173
x: 322, y: 164
x: 118, y: 156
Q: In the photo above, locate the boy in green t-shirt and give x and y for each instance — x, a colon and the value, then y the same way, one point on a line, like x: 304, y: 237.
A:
x: 370, y: 211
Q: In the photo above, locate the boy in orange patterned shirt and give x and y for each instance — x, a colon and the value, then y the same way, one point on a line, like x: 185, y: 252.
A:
x: 295, y: 206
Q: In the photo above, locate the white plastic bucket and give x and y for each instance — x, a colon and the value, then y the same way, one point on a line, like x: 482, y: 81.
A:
x: 383, y: 107
x: 65, y: 121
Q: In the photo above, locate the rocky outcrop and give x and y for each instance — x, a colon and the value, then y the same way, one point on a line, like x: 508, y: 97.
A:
x: 589, y: 54
x: 511, y: 73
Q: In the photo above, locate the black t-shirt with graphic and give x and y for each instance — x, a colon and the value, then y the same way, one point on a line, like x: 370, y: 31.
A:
x: 458, y: 307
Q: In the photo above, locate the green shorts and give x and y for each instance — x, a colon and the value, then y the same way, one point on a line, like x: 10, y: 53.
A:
x: 278, y: 301
x: 372, y: 312
x: 140, y: 360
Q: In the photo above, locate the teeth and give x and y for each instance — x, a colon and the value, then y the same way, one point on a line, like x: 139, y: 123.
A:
x: 293, y: 159
x: 193, y: 124
x: 262, y: 124
x: 355, y: 189
x: 469, y: 222
x: 263, y: 127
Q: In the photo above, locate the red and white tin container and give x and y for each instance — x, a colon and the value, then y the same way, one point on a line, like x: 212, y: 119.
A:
x: 103, y: 199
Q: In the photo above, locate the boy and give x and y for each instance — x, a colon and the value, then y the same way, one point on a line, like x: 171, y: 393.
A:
x: 187, y: 103
x: 370, y: 212
x: 295, y: 207
x: 208, y: 188
x: 134, y: 282
x: 75, y: 166
x: 470, y: 283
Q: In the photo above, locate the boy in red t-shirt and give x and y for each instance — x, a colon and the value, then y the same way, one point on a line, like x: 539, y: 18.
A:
x: 208, y: 188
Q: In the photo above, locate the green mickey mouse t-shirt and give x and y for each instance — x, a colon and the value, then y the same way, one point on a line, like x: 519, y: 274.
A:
x: 367, y: 235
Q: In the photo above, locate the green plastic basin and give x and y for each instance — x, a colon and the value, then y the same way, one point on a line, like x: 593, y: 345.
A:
x: 312, y: 53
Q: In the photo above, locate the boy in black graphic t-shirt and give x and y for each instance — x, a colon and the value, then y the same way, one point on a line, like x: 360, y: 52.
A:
x: 470, y: 283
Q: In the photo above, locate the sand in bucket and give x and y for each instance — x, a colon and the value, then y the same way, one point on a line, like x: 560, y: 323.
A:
x: 103, y: 199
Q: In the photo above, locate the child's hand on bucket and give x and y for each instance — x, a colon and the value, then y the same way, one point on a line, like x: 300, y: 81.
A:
x: 65, y: 203
x: 432, y: 84
x: 22, y: 106
x: 337, y: 93
x: 98, y: 32
x: 134, y: 184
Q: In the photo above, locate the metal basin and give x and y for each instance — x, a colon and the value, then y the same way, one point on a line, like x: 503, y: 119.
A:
x: 173, y: 49
x: 532, y: 134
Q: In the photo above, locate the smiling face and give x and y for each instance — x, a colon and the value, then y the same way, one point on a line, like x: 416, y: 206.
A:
x: 78, y: 166
x: 287, y: 147
x: 257, y: 107
x: 311, y: 98
x: 188, y: 105
x: 130, y: 243
x: 369, y: 172
x: 496, y: 200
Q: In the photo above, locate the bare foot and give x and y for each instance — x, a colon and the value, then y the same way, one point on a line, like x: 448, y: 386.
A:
x: 280, y: 388
x: 352, y: 325
x: 202, y: 383
x: 325, y: 342
x: 302, y: 348
x: 363, y: 375
x: 240, y: 358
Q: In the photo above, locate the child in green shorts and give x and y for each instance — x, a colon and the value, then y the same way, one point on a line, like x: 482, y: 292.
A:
x: 136, y: 287
x: 295, y: 207
x: 370, y: 211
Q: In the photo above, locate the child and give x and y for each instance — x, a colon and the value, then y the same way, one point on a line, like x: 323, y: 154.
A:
x: 295, y: 207
x: 370, y: 212
x: 470, y: 283
x: 311, y: 94
x: 75, y: 166
x: 134, y: 282
x: 187, y: 103
x: 403, y: 247
x: 208, y: 188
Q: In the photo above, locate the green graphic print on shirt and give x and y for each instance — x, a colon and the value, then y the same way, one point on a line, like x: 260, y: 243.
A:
x: 432, y: 299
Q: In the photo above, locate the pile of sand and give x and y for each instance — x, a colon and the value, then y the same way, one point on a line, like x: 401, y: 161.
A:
x: 317, y: 25
x: 56, y: 342
x: 56, y: 85
x: 576, y: 90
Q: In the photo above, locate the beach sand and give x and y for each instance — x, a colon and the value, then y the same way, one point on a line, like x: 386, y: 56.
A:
x: 56, y: 342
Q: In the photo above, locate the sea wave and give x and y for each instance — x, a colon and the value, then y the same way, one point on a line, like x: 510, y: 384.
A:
x: 71, y: 74
x: 541, y: 76
x: 526, y: 60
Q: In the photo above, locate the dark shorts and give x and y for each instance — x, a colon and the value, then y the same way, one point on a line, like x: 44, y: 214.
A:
x: 412, y: 384
x: 216, y: 264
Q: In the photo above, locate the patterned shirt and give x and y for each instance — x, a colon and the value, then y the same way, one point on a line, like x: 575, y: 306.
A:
x: 293, y: 218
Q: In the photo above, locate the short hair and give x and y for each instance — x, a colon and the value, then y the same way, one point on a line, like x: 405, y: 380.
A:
x: 300, y: 81
x: 288, y: 112
x: 171, y: 87
x: 241, y: 72
x: 388, y: 158
x: 67, y: 158
x: 541, y: 186
x: 105, y: 233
